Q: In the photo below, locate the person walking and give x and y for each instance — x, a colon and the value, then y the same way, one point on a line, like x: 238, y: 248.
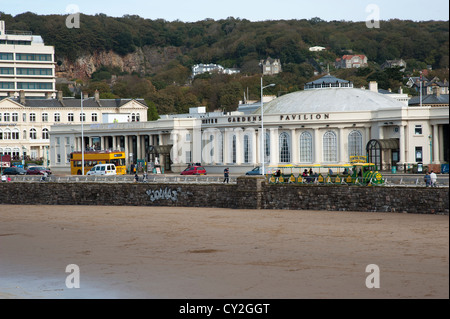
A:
x: 433, y: 179
x: 226, y: 174
x: 427, y: 179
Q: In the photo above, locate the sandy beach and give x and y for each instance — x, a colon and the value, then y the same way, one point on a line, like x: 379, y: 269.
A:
x: 156, y: 252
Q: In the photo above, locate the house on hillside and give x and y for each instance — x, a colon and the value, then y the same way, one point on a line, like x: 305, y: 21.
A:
x: 351, y: 61
x: 270, y: 66
x: 393, y: 64
x: 317, y: 49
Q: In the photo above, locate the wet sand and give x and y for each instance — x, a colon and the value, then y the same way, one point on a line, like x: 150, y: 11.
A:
x: 150, y: 252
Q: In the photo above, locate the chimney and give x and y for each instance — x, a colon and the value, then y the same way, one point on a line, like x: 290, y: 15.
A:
x: 373, y: 86
x: 85, y: 96
x: 60, y: 96
x: 400, y: 90
x: 97, y: 96
x: 48, y: 95
x: 22, y: 97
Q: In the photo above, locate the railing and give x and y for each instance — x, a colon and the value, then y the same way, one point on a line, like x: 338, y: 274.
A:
x: 168, y: 179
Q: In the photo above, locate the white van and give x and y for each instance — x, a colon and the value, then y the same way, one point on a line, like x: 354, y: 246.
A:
x: 103, y: 169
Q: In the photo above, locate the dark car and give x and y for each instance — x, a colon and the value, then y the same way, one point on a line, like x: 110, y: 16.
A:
x: 38, y: 170
x: 194, y: 170
x: 14, y: 171
x: 255, y: 171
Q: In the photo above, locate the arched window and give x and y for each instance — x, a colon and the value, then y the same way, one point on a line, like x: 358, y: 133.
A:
x: 355, y: 144
x: 45, y: 134
x: 7, y: 134
x: 285, y: 148
x: 329, y: 147
x: 15, y: 134
x: 33, y: 135
x: 306, y: 148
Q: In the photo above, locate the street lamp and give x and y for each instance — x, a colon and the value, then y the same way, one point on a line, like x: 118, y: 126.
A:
x: 82, y: 136
x: 263, y: 146
x: 431, y: 148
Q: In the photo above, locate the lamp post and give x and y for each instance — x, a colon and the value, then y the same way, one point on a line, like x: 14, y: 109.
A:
x: 431, y: 148
x: 82, y: 136
x: 263, y: 146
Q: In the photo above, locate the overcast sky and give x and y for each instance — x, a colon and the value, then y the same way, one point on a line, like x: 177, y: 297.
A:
x: 195, y: 10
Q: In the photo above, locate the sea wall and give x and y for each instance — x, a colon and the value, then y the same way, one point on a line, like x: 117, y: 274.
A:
x: 248, y: 193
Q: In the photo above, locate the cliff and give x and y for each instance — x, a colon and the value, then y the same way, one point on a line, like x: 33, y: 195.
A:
x: 146, y: 60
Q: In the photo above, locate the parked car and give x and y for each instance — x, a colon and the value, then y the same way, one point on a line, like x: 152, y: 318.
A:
x: 38, y: 170
x: 194, y: 170
x: 255, y: 171
x: 103, y: 169
x: 14, y: 171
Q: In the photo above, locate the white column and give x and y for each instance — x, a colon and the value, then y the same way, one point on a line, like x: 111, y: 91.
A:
x: 274, y: 148
x: 254, y: 147
x: 138, y: 147
x: 239, y: 146
x: 114, y: 145
x: 317, y: 146
x: 343, y: 152
x: 441, y: 143
x: 402, y: 155
x: 196, y: 145
x: 226, y: 146
x: 295, y: 146
x: 436, y: 144
x: 127, y: 156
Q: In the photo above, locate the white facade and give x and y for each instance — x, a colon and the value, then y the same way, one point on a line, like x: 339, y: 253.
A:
x: 26, y: 64
x: 25, y: 124
x: 322, y: 126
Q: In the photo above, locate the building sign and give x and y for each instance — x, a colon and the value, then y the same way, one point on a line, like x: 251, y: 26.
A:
x: 304, y: 117
x: 284, y: 118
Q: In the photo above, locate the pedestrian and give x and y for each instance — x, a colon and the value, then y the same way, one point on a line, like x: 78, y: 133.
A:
x: 136, y: 177
x: 8, y: 179
x: 433, y: 179
x: 144, y: 178
x: 3, y: 178
x: 226, y: 173
x: 427, y: 179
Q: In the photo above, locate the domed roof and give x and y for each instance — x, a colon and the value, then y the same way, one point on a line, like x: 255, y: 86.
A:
x: 330, y: 100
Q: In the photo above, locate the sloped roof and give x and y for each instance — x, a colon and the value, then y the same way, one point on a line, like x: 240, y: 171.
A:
x: 330, y: 100
x: 430, y: 99
x: 74, y: 103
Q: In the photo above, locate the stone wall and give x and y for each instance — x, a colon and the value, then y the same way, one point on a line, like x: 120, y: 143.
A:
x: 248, y: 193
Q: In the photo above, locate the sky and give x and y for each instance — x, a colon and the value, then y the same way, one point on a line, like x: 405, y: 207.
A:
x: 195, y: 10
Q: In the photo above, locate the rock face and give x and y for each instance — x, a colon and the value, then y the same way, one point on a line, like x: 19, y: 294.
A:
x: 144, y: 60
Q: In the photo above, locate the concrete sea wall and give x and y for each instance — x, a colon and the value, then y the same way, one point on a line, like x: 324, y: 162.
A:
x: 248, y: 193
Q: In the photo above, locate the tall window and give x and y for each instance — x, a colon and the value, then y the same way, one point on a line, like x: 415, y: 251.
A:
x: 45, y: 134
x: 70, y: 117
x: 44, y: 117
x: 355, y: 144
x: 15, y: 134
x: 32, y: 117
x: 15, y: 117
x: 329, y: 147
x: 306, y: 148
x: 33, y: 134
x: 94, y: 117
x: 234, y: 148
x: 285, y: 148
x: 57, y: 117
x: 6, y: 117
x: 83, y: 117
x: 267, y: 148
x: 246, y: 149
